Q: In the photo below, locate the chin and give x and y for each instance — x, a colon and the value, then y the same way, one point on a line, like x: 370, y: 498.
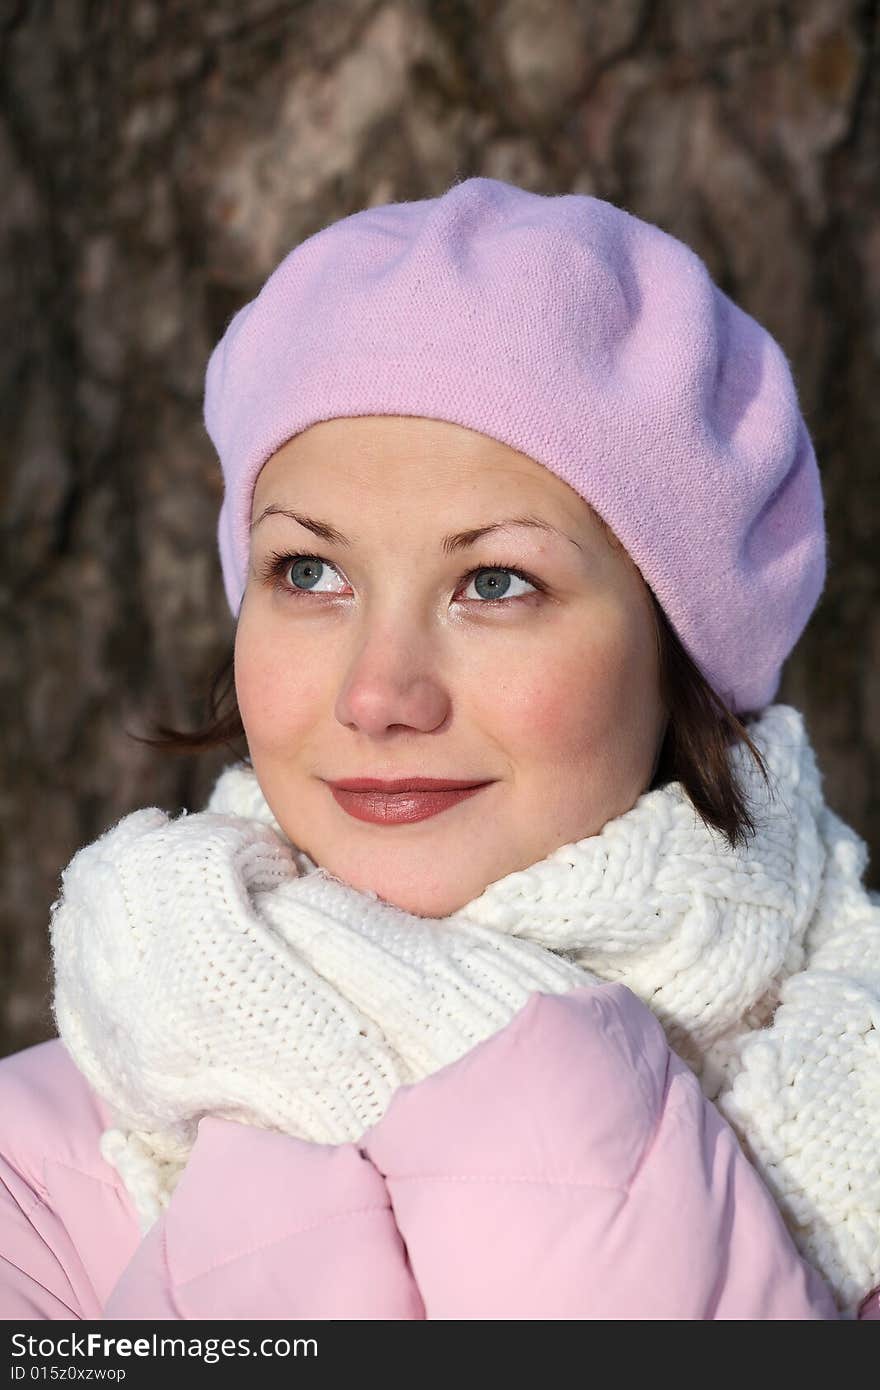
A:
x: 417, y: 904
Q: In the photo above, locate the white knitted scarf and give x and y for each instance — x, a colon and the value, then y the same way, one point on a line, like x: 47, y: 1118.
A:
x: 205, y: 965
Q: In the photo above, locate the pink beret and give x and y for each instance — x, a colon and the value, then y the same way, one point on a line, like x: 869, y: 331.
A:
x: 578, y: 334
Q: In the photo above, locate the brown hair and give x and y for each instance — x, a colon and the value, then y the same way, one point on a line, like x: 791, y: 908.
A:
x: 694, y: 751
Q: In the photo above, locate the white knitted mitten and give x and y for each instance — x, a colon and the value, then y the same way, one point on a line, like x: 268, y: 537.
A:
x: 183, y: 1001
x: 197, y: 972
x: 435, y: 987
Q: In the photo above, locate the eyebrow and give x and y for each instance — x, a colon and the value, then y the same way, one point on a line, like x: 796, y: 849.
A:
x: 458, y: 540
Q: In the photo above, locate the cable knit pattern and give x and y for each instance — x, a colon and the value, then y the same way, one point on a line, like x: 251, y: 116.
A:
x: 207, y: 965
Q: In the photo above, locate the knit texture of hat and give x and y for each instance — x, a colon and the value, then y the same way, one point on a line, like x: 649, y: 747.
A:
x: 587, y: 339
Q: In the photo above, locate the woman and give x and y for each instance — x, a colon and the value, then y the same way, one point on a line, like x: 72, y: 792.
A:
x: 516, y: 499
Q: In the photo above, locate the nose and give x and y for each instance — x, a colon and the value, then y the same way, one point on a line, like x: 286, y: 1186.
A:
x: 392, y: 681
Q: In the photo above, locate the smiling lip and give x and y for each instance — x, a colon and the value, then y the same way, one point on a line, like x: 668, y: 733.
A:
x: 410, y: 799
x: 404, y: 784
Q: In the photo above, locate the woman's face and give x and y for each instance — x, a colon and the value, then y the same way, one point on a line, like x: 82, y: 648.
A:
x: 394, y: 655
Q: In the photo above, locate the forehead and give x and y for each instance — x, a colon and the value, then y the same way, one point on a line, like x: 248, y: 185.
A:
x: 411, y: 460
x: 382, y: 443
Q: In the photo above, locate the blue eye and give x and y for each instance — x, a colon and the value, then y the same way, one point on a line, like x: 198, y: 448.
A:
x: 296, y: 575
x: 307, y: 569
x: 492, y: 581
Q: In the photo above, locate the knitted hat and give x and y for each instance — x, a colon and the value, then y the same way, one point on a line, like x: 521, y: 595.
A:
x: 585, y: 338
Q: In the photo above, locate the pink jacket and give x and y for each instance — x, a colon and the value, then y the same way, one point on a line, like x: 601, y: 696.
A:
x: 566, y: 1167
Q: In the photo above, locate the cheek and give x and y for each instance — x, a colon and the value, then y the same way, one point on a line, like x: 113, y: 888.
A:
x: 546, y: 707
x: 274, y: 692
x: 577, y: 697
x: 565, y: 717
